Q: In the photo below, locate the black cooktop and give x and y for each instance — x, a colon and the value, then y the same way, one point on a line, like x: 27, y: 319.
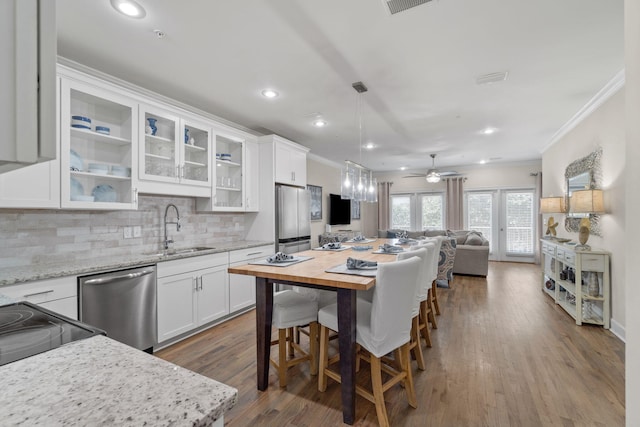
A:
x: 27, y: 329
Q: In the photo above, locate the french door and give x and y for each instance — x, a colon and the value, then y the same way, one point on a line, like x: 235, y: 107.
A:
x: 507, y: 219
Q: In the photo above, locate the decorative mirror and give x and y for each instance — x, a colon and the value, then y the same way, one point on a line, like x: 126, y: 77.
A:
x: 584, y: 173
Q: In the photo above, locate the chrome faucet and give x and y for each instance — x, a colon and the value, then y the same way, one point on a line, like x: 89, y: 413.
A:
x: 176, y: 222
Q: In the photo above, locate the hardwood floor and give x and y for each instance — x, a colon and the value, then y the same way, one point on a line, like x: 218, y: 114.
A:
x: 503, y: 355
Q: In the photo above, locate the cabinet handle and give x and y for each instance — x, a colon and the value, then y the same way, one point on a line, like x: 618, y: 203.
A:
x: 37, y: 293
x: 200, y: 279
x: 254, y: 253
x: 293, y: 176
x: 135, y: 195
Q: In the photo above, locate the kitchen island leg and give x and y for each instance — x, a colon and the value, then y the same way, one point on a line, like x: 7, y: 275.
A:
x: 347, y: 339
x: 264, y: 311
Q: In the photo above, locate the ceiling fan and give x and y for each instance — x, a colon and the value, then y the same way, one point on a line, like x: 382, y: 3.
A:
x: 433, y: 175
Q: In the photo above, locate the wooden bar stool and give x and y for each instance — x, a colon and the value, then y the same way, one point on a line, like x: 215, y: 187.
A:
x: 292, y: 309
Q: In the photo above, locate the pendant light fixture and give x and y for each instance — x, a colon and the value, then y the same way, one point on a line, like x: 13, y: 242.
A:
x: 356, y: 181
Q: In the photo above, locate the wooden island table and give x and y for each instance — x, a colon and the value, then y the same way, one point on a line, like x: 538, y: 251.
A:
x: 311, y: 273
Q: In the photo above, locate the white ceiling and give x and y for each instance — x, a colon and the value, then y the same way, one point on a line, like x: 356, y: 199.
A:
x: 420, y: 66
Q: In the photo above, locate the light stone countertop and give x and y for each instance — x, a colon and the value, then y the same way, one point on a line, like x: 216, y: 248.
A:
x: 13, y: 275
x: 98, y: 382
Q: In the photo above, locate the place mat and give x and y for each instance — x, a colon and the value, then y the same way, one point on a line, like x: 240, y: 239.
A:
x: 361, y: 241
x: 342, y: 269
x: 380, y: 251
x: 341, y: 248
x: 295, y: 260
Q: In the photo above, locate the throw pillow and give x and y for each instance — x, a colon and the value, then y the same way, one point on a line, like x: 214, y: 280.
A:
x: 474, y: 239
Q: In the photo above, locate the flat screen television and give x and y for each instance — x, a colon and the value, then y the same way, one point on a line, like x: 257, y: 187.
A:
x: 339, y: 210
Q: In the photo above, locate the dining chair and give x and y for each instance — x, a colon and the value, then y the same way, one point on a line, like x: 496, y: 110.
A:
x: 382, y: 326
x: 292, y: 309
x: 422, y: 287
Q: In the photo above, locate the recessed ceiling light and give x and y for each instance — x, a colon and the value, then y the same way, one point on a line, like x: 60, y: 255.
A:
x: 319, y: 123
x: 369, y: 146
x: 129, y: 8
x: 482, y: 162
x: 403, y: 168
x: 269, y: 93
x: 489, y: 131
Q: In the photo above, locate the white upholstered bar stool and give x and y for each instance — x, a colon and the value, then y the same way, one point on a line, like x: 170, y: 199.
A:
x: 421, y: 293
x: 292, y: 309
x: 427, y: 308
x: 383, y: 326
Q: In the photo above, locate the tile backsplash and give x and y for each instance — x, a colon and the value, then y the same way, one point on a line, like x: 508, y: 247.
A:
x: 53, y: 236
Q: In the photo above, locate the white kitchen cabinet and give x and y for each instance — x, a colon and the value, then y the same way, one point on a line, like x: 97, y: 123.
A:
x: 242, y: 288
x: 175, y: 153
x: 34, y: 186
x: 59, y: 294
x: 252, y: 176
x: 27, y: 82
x: 213, y: 294
x: 290, y: 161
x: 97, y: 169
x: 236, y: 173
x: 191, y: 292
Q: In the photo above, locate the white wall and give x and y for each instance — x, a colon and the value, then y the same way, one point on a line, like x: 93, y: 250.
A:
x: 602, y: 128
x: 632, y: 202
x: 326, y: 174
x: 497, y: 175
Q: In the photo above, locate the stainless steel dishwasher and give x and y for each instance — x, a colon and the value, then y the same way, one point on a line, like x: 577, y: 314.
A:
x: 123, y: 304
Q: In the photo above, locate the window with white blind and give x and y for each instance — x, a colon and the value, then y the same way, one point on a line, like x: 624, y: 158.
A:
x: 417, y: 211
x: 480, y: 214
x: 519, y: 223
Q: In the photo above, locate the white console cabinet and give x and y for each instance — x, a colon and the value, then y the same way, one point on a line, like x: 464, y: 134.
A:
x: 566, y: 274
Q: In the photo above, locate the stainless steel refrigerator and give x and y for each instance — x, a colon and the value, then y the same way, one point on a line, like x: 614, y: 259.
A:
x: 293, y: 220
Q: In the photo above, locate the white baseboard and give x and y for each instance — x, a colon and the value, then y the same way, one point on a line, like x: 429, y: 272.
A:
x: 618, y: 330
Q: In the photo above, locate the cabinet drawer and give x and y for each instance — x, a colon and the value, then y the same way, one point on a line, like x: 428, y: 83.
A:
x: 548, y: 249
x: 560, y: 254
x: 250, y: 253
x: 570, y: 258
x: 592, y: 263
x: 43, y: 291
x: 185, y: 265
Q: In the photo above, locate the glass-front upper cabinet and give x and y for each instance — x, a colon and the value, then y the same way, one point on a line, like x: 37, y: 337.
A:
x: 229, y: 173
x: 174, y: 150
x: 98, y: 128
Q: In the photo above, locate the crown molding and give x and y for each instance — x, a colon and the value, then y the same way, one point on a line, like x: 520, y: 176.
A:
x: 610, y: 89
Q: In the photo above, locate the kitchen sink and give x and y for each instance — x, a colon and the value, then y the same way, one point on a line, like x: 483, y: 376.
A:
x: 182, y: 251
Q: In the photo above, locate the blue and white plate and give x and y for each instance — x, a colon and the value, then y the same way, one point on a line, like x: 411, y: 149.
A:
x: 75, y: 161
x: 104, y: 193
x: 77, y: 190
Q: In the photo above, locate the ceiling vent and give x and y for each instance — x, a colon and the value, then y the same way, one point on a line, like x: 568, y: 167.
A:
x: 396, y: 6
x: 492, y: 78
